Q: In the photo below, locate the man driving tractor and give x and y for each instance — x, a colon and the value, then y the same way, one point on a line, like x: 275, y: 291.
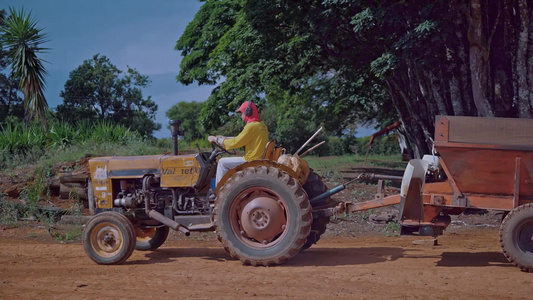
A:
x: 253, y: 138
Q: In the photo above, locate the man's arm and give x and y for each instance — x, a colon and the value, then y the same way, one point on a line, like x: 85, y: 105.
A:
x: 240, y: 140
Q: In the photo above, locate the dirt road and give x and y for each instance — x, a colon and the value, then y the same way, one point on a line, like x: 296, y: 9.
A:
x: 468, y: 264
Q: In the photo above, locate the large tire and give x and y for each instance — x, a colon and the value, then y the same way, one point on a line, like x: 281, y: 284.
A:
x: 90, y: 198
x: 109, y: 238
x: 314, y: 186
x: 262, y: 216
x: 516, y: 237
x: 149, y: 239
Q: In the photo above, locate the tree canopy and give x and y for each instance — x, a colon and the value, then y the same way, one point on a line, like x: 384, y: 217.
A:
x: 98, y: 90
x: 188, y: 113
x: 336, y: 62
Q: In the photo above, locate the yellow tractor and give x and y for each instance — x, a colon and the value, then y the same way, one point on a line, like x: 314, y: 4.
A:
x: 262, y: 212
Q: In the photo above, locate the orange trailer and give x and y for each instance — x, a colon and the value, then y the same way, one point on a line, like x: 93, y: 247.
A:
x: 478, y: 163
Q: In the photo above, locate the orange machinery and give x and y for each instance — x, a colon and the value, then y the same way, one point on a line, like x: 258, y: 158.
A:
x: 479, y: 163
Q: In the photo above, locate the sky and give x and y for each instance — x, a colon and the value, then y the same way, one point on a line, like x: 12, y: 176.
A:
x: 135, y: 33
x: 140, y: 34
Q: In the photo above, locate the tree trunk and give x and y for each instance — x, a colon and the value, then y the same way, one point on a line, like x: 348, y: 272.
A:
x: 410, y: 116
x: 478, y: 60
x: 530, y: 59
x: 524, y: 104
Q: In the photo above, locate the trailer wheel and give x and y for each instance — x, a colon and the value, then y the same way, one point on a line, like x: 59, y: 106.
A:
x: 262, y: 216
x: 516, y: 237
x: 149, y: 239
x: 90, y: 198
x: 109, y: 238
x: 314, y: 186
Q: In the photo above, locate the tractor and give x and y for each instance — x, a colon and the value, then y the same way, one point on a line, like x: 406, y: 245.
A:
x: 261, y: 210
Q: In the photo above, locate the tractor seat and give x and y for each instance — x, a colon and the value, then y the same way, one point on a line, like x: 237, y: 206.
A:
x: 272, y: 152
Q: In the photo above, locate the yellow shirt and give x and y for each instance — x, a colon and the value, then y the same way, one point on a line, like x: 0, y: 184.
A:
x: 253, y: 138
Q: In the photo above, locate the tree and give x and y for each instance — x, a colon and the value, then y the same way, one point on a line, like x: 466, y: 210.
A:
x: 22, y: 40
x: 10, y: 103
x: 188, y: 113
x: 275, y: 65
x: 354, y: 61
x: 98, y: 90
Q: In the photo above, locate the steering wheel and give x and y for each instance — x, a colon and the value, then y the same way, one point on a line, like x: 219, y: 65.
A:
x: 222, y: 150
x: 217, y: 150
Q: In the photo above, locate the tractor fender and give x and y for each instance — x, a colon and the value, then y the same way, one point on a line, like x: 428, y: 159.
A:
x: 255, y: 163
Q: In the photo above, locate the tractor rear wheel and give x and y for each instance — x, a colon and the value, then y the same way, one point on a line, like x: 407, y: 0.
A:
x: 516, y: 237
x: 314, y: 186
x: 149, y: 239
x: 109, y: 238
x: 262, y: 216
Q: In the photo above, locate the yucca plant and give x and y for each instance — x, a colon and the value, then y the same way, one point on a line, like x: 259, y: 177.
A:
x: 62, y: 134
x: 19, y: 139
x: 106, y: 131
x: 84, y: 129
x: 22, y: 39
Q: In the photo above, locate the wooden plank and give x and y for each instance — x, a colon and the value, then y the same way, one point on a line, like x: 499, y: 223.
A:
x: 493, y: 131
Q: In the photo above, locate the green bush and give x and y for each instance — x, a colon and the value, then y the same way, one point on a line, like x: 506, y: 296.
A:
x: 21, y: 145
x: 16, y: 138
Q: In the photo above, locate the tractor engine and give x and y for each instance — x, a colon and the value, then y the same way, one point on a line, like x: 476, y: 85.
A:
x: 132, y: 196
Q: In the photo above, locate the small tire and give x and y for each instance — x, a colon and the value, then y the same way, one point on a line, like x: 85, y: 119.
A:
x: 516, y: 237
x: 262, y: 216
x: 149, y: 239
x: 91, y: 203
x: 109, y: 238
x: 314, y: 186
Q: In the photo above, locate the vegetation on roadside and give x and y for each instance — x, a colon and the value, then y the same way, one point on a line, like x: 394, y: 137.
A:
x: 21, y: 146
x: 335, y: 164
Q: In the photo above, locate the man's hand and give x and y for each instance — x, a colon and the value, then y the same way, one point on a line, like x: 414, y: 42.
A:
x: 219, y: 140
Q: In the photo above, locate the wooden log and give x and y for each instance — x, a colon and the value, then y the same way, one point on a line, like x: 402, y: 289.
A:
x: 68, y: 192
x: 72, y: 177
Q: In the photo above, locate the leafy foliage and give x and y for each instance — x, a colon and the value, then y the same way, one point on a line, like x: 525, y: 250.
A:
x: 340, y: 63
x: 11, y: 105
x: 188, y: 113
x: 273, y: 53
x: 17, y: 141
x: 98, y: 90
x: 22, y: 40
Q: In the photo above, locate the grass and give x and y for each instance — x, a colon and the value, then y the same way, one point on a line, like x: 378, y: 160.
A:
x: 393, y: 229
x: 9, y: 212
x: 334, y: 164
x: 72, y: 234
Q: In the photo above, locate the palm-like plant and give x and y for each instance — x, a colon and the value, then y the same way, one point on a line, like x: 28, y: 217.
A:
x: 21, y: 38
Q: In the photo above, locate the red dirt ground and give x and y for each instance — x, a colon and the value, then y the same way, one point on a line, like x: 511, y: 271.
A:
x: 468, y: 264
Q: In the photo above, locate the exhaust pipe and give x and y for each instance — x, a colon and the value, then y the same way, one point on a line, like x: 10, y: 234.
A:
x: 169, y: 222
x: 158, y: 216
x: 175, y: 132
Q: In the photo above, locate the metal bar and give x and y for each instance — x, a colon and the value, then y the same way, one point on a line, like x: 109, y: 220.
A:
x: 451, y: 181
x: 376, y: 203
x: 313, y: 148
x: 308, y: 141
x: 516, y: 198
x: 370, y: 176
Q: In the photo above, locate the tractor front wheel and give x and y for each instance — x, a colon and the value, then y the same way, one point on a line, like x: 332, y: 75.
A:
x: 262, y: 216
x: 516, y: 237
x: 149, y: 239
x: 109, y: 238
